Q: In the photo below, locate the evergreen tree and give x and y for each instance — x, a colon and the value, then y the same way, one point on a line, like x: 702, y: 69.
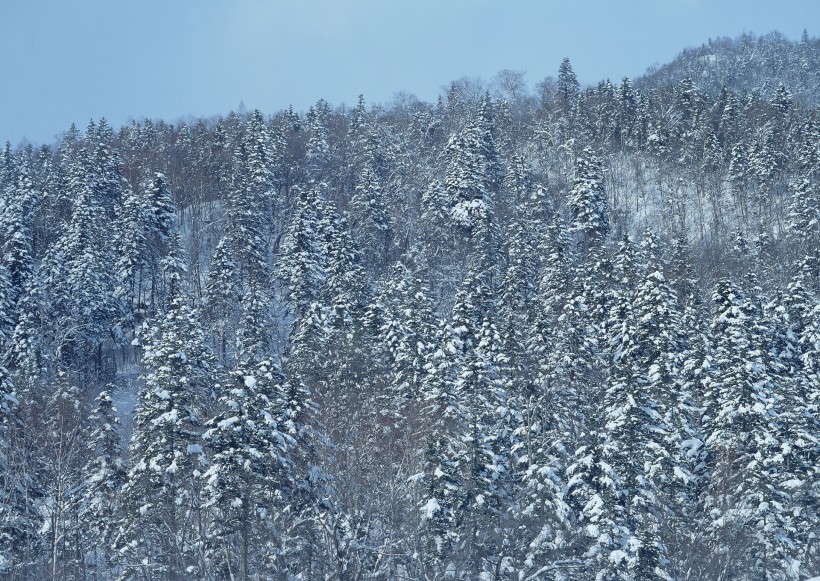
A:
x: 593, y: 492
x: 222, y: 292
x: 318, y: 149
x: 798, y: 372
x: 19, y: 518
x: 588, y: 202
x: 250, y: 204
x: 160, y: 528
x: 27, y: 353
x: 493, y: 166
x: 80, y: 281
x: 436, y: 239
x: 465, y: 180
x: 17, y: 219
x: 804, y: 216
x: 7, y: 322
x: 741, y: 440
x: 482, y: 441
x: 371, y: 224
x: 568, y: 85
x: 103, y: 478
x: 246, y: 484
x: 144, y: 222
x: 407, y: 329
x: 302, y: 261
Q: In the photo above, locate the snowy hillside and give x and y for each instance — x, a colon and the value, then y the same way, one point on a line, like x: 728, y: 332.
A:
x: 566, y: 334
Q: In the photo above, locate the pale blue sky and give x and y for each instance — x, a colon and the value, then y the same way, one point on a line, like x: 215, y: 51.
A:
x: 65, y: 61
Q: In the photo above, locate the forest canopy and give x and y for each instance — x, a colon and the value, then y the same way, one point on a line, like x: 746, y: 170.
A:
x: 570, y: 333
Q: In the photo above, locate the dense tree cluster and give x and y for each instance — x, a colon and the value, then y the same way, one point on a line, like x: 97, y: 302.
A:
x: 747, y: 62
x: 564, y: 335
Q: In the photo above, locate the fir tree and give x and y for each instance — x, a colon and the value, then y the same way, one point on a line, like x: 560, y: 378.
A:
x: 160, y: 496
x: 247, y: 483
x: 80, y: 279
x: 568, y: 85
x: 19, y: 518
x: 466, y: 180
x: 371, y: 223
x: 103, y: 478
x: 222, y: 292
x: 302, y: 260
x: 740, y: 439
x: 588, y: 201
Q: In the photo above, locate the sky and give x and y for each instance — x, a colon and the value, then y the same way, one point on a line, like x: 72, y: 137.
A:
x: 70, y: 61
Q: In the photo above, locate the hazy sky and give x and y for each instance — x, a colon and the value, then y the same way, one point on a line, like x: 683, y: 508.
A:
x: 65, y: 61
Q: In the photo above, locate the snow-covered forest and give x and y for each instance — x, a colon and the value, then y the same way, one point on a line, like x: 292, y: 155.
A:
x: 548, y: 333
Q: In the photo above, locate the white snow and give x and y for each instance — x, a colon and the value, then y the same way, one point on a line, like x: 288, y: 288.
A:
x: 430, y: 508
x: 225, y: 424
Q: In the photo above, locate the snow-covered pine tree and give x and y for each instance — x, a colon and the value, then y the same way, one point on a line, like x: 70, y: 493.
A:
x: 493, y: 166
x: 567, y: 85
x: 19, y: 517
x: 18, y: 205
x: 371, y: 223
x: 7, y: 309
x: 247, y: 486
x: 592, y: 493
x: 588, y: 201
x: 800, y: 340
x: 103, y: 477
x: 17, y: 219
x: 144, y: 223
x: 466, y: 181
x: 104, y: 165
x: 480, y: 443
x: 318, y: 150
x: 28, y: 354
x: 160, y: 529
x: 436, y: 240
x: 648, y: 356
x: 407, y: 332
x: 79, y: 278
x: 549, y: 416
x: 250, y: 204
x: 803, y: 224
x: 130, y: 242
x: 344, y: 295
x: 302, y: 259
x: 222, y: 294
x: 742, y: 500
x: 518, y: 305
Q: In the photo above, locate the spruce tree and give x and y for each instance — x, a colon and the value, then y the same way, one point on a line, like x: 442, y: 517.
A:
x: 103, y: 477
x: 568, y: 85
x: 222, y: 293
x: 371, y: 223
x: 160, y: 496
x: 247, y: 483
x: 19, y: 517
x: 740, y: 442
x: 302, y: 259
x: 588, y: 202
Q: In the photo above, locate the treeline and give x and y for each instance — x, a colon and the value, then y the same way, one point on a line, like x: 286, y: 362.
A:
x: 747, y: 62
x: 569, y: 334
